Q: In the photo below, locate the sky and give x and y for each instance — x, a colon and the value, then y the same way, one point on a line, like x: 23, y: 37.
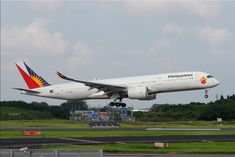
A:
x: 90, y: 40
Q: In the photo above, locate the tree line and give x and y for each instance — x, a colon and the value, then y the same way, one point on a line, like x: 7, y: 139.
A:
x: 11, y: 110
x: 223, y: 108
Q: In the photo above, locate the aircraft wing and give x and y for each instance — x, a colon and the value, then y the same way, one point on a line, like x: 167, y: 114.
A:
x: 100, y: 86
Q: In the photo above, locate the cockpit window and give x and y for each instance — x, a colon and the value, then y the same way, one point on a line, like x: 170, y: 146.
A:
x: 209, y: 76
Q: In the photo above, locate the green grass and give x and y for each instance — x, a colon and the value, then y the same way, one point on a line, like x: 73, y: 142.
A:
x: 182, y: 147
x: 43, y: 123
x: 74, y: 134
x: 76, y: 124
x: 179, y: 124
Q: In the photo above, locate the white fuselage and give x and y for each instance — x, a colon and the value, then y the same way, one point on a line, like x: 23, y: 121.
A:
x: 152, y: 83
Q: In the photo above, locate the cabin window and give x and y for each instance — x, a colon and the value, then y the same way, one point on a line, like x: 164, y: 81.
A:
x: 209, y: 76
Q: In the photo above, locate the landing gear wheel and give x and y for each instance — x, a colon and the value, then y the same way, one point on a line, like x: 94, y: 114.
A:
x: 206, y: 93
x: 123, y: 105
x: 111, y: 104
x: 117, y: 104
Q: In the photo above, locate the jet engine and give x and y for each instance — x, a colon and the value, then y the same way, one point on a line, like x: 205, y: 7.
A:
x: 140, y: 93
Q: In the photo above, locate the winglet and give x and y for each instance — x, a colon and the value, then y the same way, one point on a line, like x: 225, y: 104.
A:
x: 61, y: 75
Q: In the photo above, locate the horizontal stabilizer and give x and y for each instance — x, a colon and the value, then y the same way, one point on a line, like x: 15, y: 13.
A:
x: 28, y: 90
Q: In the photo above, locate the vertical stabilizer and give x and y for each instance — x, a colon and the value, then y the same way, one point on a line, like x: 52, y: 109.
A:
x: 30, y: 77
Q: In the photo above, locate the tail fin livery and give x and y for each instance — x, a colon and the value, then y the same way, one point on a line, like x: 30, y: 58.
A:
x: 30, y: 77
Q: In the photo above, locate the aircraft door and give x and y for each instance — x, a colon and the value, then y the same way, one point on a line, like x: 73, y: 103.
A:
x: 57, y: 91
x: 196, y: 78
x: 159, y: 83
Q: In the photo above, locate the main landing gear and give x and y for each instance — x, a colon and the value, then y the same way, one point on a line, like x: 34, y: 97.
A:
x: 117, y: 103
x: 206, y: 93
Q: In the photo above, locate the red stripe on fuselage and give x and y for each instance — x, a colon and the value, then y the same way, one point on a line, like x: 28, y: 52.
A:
x: 29, y: 81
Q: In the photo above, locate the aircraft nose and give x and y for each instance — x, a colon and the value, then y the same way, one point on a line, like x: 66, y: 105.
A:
x: 216, y: 82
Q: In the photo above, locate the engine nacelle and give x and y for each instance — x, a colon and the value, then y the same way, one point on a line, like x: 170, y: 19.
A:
x: 140, y: 93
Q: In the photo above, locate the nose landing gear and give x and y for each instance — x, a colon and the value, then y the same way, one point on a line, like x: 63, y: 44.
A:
x: 206, y: 94
x: 117, y: 103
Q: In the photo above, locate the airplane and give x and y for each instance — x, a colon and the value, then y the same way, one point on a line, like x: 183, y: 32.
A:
x: 144, y: 87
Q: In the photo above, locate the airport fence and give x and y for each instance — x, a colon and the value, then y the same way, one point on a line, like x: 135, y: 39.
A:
x: 50, y: 153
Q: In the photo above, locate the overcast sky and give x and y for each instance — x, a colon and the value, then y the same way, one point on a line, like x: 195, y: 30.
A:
x: 88, y: 40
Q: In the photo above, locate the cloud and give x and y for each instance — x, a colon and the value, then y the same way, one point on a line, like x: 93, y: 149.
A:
x: 200, y: 8
x: 145, y: 7
x: 160, y: 53
x: 43, y: 5
x: 34, y: 39
x: 214, y: 35
x: 8, y: 65
x: 81, y: 55
x: 159, y: 46
x: 174, y: 28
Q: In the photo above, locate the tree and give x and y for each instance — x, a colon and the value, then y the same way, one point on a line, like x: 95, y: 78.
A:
x: 59, y: 112
x: 221, y: 97
x: 104, y: 109
x: 73, y: 105
x: 220, y: 109
x: 138, y: 114
x: 34, y: 110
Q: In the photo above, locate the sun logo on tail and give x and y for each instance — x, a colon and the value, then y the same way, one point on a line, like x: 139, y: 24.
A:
x: 203, y: 79
x: 38, y: 80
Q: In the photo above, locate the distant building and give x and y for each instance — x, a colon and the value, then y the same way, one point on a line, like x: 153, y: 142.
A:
x: 89, y: 115
x: 113, y: 114
x: 140, y: 110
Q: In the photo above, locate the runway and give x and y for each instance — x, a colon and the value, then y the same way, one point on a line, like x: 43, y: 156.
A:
x: 164, y: 155
x: 107, y: 140
x: 111, y: 129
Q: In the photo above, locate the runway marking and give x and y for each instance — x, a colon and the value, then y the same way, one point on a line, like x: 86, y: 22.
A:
x: 183, y: 129
x: 81, y: 140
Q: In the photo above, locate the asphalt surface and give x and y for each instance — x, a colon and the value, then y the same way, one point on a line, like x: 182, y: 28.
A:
x: 106, y: 140
x: 164, y: 155
x: 110, y: 128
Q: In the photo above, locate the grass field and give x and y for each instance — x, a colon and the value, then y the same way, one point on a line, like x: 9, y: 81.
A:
x: 74, y: 134
x: 43, y: 123
x: 178, y: 147
x: 75, y: 124
x: 182, y: 147
x: 179, y: 124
